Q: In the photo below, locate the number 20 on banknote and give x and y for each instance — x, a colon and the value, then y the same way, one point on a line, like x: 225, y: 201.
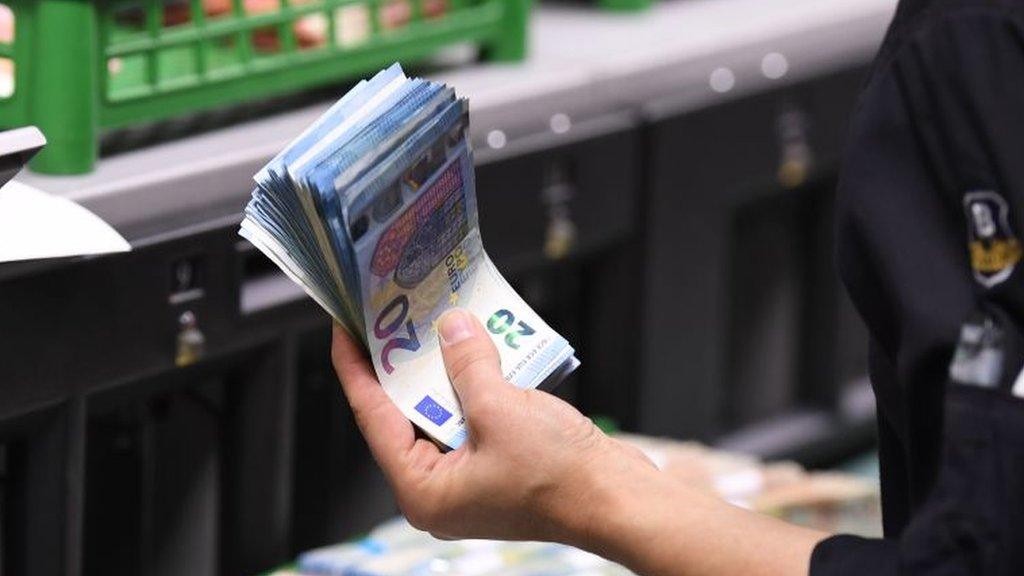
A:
x: 382, y: 331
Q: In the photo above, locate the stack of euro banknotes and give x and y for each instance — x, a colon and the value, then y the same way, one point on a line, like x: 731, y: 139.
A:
x: 395, y: 548
x: 372, y: 210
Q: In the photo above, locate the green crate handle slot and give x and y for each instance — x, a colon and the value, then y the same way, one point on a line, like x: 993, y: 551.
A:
x: 63, y: 50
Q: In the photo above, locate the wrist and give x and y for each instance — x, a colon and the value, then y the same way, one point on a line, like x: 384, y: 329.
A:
x: 653, y: 524
x: 611, y: 490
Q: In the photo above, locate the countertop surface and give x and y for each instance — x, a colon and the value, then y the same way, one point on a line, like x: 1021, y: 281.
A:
x: 587, y: 71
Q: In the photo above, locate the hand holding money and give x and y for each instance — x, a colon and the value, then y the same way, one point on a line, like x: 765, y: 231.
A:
x: 532, y: 465
x: 535, y: 469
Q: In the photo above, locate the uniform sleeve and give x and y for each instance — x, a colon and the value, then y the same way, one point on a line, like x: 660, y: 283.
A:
x: 930, y: 207
x: 972, y: 523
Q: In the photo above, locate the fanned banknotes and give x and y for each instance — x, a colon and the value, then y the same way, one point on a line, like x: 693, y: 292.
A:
x: 372, y: 210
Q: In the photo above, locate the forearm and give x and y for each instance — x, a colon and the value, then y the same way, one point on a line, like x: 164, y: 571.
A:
x: 659, y: 527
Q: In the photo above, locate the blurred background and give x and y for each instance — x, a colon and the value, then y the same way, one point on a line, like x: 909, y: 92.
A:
x: 656, y: 178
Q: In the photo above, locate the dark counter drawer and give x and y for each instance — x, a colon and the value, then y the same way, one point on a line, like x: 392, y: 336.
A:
x: 591, y: 185
x: 709, y: 168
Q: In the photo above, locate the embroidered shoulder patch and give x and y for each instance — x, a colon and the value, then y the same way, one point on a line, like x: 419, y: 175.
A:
x: 994, y: 248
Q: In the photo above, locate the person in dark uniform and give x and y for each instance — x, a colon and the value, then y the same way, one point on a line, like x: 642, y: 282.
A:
x: 930, y: 206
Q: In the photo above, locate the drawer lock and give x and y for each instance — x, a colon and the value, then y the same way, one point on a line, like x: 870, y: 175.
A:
x: 560, y: 234
x: 191, y: 341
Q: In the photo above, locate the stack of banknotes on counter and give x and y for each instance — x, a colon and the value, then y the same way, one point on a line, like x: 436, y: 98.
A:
x: 830, y: 501
x: 397, y: 549
x: 372, y: 210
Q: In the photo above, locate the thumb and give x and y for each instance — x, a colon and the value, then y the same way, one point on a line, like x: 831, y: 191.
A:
x: 470, y: 356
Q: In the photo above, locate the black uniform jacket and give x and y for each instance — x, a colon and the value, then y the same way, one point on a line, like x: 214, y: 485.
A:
x: 931, y: 204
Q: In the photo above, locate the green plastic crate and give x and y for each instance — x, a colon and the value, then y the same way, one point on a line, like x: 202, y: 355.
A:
x: 76, y: 67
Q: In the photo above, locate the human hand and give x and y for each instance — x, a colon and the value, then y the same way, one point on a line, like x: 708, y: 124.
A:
x: 532, y: 468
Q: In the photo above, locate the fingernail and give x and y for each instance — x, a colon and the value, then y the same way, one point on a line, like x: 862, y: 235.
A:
x: 455, y: 326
